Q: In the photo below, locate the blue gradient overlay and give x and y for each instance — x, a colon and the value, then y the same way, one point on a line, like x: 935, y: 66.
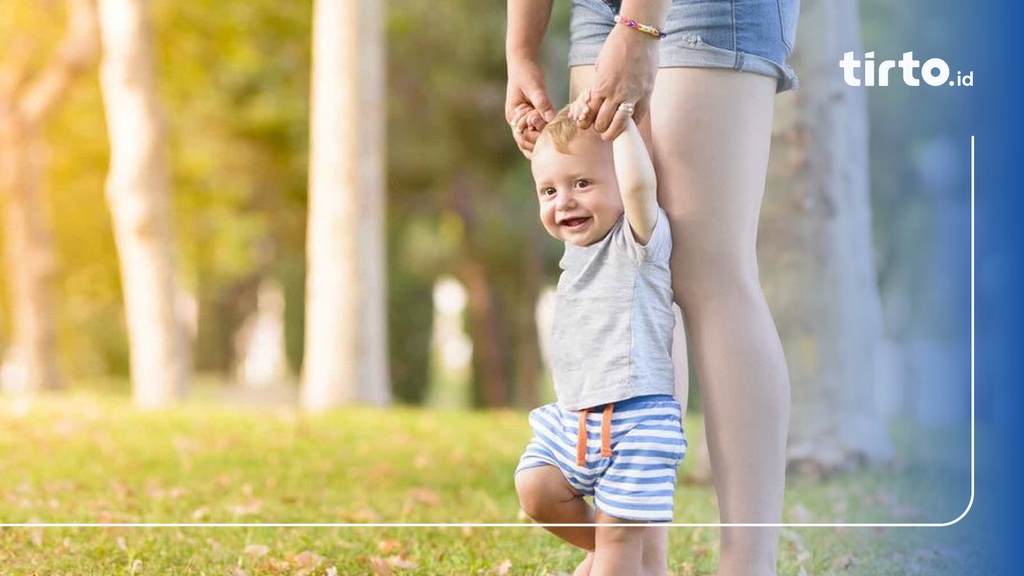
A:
x: 979, y: 37
x: 989, y: 39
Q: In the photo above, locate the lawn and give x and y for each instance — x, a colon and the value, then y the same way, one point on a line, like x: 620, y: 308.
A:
x: 91, y: 458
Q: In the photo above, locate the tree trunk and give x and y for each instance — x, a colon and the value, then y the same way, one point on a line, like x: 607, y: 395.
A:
x: 816, y: 252
x: 138, y: 191
x: 490, y: 360
x: 528, y: 359
x: 345, y: 358
x: 26, y: 102
x: 30, y: 365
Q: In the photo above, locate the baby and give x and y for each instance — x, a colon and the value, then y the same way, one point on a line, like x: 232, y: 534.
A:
x: 615, y: 432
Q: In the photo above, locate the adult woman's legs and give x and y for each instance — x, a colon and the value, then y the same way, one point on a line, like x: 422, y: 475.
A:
x: 711, y: 130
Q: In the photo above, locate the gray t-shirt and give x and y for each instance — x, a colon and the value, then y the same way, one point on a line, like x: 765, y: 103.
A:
x: 612, y: 333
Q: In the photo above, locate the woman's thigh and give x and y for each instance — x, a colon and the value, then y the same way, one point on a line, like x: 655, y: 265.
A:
x: 711, y: 132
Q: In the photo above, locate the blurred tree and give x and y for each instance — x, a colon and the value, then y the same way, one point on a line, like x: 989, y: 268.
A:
x: 138, y: 191
x: 461, y: 195
x: 816, y: 253
x: 27, y: 100
x: 237, y: 88
x: 345, y: 358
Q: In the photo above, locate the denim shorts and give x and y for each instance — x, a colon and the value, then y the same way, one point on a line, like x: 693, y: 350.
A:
x: 749, y: 35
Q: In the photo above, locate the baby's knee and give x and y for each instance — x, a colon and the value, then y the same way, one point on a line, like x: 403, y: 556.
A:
x: 623, y: 534
x: 532, y: 494
x: 541, y: 490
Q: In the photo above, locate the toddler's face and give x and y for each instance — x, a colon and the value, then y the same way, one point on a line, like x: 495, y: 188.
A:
x: 578, y: 193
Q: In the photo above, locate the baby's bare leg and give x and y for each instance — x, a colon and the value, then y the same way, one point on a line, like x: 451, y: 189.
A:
x: 655, y: 555
x: 619, y: 546
x: 545, y: 496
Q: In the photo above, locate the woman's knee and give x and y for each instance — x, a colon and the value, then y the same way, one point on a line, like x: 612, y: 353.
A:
x: 722, y: 277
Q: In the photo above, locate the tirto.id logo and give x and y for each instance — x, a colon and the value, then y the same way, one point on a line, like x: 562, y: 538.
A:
x: 934, y: 72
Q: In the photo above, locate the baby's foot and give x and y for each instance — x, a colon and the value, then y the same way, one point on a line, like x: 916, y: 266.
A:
x: 584, y: 568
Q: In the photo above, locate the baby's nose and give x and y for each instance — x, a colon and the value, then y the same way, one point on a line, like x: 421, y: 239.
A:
x: 565, y: 199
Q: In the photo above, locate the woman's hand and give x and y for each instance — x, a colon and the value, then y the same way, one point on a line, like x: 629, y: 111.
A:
x: 626, y: 68
x: 527, y: 107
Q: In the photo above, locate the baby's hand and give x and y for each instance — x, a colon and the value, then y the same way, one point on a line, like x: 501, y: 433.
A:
x: 580, y: 107
x: 526, y: 123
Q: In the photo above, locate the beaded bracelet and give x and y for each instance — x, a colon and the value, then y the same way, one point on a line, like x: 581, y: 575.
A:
x: 650, y: 30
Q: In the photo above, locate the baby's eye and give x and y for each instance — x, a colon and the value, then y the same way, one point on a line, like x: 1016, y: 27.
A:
x: 582, y: 183
x: 548, y: 192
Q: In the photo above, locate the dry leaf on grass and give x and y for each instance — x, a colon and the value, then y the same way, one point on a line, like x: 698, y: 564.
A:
x: 425, y: 496
x: 250, y: 507
x: 844, y: 562
x: 389, y: 546
x: 503, y: 567
x: 256, y: 550
x: 380, y: 566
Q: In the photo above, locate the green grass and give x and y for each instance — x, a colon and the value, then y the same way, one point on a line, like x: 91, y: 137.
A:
x: 88, y: 458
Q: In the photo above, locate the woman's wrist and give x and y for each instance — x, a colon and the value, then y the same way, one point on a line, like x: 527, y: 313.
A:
x: 520, y: 56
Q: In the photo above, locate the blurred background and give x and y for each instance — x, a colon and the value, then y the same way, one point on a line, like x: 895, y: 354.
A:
x: 159, y: 192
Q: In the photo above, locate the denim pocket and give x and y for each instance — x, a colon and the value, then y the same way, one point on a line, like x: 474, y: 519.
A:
x: 789, y: 13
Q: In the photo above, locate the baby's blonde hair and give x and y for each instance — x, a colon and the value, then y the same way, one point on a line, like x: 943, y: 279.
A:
x: 561, y: 131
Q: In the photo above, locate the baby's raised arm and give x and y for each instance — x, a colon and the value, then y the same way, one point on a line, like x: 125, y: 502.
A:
x: 634, y: 170
x: 637, y: 181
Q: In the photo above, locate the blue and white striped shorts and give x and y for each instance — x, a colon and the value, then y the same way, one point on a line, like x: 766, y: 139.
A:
x: 629, y: 467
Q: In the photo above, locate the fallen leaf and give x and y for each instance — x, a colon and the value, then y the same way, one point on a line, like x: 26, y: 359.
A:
x: 503, y: 567
x: 425, y: 496
x: 380, y: 566
x: 844, y: 562
x: 256, y: 550
x: 400, y: 563
x: 250, y: 507
x: 388, y: 546
x: 306, y: 559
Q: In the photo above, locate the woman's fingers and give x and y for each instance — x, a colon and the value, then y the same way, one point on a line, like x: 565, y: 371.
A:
x: 605, y: 115
x: 621, y: 115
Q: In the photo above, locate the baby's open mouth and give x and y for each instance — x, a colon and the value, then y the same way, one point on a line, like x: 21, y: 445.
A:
x: 574, y: 222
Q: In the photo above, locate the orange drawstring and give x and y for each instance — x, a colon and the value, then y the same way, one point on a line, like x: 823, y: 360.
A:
x: 606, y: 435
x: 606, y: 432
